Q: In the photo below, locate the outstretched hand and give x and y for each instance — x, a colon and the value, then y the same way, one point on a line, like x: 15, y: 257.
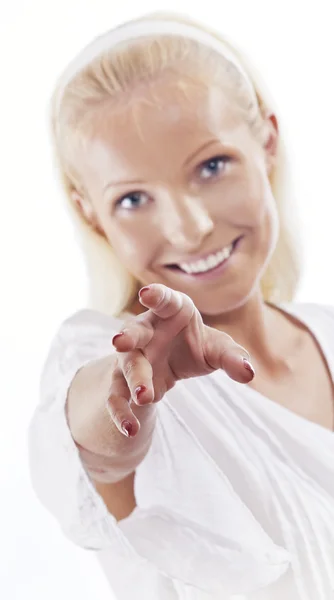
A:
x: 167, y: 343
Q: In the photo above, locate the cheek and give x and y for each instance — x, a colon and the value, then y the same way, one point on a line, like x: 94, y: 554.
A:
x: 131, y: 246
x: 258, y: 204
x: 263, y: 218
x: 259, y: 209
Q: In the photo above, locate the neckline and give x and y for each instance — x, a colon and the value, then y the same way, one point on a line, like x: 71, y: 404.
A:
x: 293, y: 309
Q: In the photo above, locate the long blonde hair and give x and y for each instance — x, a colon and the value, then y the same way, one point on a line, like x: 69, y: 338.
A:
x: 111, y: 287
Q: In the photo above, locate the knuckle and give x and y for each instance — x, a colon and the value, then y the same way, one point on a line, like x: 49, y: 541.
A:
x: 185, y: 303
x: 129, y: 323
x: 243, y: 351
x: 114, y: 411
x: 165, y: 294
x: 129, y: 320
x: 119, y: 416
x: 117, y: 375
x: 129, y: 367
x: 191, y: 304
x: 182, y: 299
x: 184, y: 296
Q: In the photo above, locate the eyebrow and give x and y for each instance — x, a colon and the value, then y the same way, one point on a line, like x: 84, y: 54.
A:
x: 123, y: 182
x: 141, y: 181
x: 199, y: 150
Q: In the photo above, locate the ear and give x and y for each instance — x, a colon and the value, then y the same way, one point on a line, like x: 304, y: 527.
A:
x: 271, y: 141
x: 86, y: 209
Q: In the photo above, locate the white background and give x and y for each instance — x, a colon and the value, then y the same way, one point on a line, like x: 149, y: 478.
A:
x: 42, y: 278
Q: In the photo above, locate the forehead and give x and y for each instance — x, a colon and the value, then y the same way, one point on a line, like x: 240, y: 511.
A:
x: 166, y: 120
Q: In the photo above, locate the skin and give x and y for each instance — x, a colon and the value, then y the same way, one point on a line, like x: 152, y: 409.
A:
x: 184, y: 210
x: 185, y: 214
x: 187, y: 200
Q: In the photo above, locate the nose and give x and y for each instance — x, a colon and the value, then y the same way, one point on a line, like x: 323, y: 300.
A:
x: 185, y: 222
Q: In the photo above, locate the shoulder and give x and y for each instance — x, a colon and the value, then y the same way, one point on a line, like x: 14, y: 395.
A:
x: 89, y: 322
x: 84, y: 335
x: 92, y: 317
x: 322, y: 314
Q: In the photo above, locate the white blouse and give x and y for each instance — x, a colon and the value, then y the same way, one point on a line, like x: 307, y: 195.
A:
x: 235, y: 498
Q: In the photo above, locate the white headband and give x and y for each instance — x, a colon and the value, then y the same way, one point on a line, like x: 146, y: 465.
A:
x: 142, y: 29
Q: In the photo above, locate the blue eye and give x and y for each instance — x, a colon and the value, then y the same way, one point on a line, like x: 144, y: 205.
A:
x: 214, y: 166
x: 132, y: 201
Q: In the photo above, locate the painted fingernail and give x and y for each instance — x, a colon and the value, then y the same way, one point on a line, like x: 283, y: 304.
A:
x: 248, y: 366
x: 118, y: 335
x: 126, y: 428
x: 143, y: 290
x: 139, y: 391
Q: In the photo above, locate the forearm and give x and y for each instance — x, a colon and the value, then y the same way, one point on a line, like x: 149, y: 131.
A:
x: 106, y: 453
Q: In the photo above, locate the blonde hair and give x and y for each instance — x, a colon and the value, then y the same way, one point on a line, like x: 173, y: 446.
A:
x: 111, y: 288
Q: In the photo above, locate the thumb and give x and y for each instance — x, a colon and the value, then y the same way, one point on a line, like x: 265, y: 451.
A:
x: 222, y: 352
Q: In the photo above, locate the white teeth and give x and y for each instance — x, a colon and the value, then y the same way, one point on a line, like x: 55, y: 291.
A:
x: 201, y: 266
x: 185, y: 268
x: 212, y: 261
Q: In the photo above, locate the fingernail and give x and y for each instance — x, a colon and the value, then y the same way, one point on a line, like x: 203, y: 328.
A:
x: 126, y: 428
x: 248, y: 366
x: 143, y: 290
x: 118, y: 335
x: 139, y: 391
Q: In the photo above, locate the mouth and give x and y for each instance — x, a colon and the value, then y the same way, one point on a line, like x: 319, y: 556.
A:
x: 211, y: 264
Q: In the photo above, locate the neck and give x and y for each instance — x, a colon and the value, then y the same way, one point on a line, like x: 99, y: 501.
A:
x: 257, y: 326
x: 260, y: 328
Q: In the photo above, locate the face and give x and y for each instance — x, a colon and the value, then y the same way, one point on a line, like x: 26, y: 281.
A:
x: 179, y: 186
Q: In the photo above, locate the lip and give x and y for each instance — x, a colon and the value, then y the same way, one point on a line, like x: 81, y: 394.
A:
x: 212, y: 273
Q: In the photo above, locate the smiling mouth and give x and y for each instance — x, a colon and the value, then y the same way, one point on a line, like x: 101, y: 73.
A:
x: 207, y: 264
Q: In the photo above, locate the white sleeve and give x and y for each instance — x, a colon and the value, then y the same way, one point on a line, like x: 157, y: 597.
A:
x: 57, y: 474
x: 59, y: 478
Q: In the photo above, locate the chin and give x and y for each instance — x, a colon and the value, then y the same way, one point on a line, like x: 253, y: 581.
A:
x: 225, y: 300
x: 220, y: 305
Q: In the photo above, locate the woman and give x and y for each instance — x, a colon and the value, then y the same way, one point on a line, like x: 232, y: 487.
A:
x: 154, y: 444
